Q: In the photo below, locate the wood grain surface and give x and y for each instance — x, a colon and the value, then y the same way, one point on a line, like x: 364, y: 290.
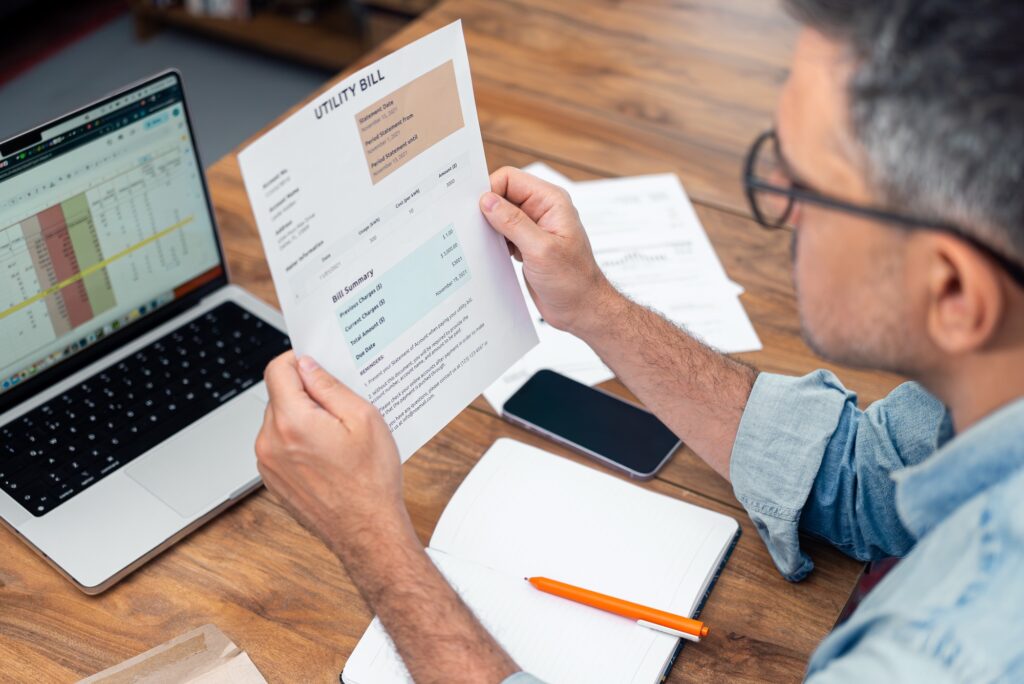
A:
x: 595, y: 88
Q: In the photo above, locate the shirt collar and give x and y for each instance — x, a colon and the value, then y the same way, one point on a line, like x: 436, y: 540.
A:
x: 963, y: 467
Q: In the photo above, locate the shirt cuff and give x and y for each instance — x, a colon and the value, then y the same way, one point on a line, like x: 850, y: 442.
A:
x: 783, y: 434
x: 522, y: 678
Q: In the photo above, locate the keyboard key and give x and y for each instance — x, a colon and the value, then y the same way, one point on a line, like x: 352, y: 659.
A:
x: 68, y: 444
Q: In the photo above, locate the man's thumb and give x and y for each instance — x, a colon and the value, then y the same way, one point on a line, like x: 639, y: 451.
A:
x: 508, y: 219
x: 325, y: 389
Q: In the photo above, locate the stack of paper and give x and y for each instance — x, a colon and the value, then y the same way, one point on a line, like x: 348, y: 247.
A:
x: 648, y: 240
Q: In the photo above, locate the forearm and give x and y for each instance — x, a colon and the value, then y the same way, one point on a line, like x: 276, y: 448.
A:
x: 699, y: 393
x: 438, y: 637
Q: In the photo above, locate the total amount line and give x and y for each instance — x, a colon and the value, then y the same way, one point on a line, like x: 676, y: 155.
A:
x: 95, y: 267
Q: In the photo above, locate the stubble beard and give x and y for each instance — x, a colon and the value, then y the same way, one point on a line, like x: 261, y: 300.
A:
x: 849, y: 335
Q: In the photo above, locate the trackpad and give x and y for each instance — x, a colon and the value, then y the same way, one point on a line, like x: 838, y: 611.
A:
x: 201, y: 466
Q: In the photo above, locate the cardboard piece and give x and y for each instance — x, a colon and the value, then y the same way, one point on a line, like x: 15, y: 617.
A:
x: 203, y: 656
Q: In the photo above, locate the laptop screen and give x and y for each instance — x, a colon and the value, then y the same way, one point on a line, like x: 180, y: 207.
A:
x: 104, y: 220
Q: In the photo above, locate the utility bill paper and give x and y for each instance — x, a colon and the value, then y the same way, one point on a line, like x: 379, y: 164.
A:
x: 367, y: 202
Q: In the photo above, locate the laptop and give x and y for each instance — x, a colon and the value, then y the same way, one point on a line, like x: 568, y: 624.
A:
x: 131, y: 372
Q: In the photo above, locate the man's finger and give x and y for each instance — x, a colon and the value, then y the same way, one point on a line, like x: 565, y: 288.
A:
x: 548, y: 206
x: 262, y: 445
x: 510, y: 221
x: 531, y: 291
x: 514, y: 252
x: 325, y: 389
x: 284, y: 385
x: 268, y: 422
x: 520, y: 187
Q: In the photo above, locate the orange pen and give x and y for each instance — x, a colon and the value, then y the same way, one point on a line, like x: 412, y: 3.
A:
x: 653, y: 618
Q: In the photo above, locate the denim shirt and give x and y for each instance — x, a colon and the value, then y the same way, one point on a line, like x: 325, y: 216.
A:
x: 893, y: 481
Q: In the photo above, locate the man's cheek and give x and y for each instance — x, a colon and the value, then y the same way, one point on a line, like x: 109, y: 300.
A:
x: 805, y: 264
x: 818, y: 258
x: 816, y: 275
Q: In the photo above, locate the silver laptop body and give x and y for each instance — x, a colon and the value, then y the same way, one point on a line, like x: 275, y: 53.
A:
x: 130, y: 370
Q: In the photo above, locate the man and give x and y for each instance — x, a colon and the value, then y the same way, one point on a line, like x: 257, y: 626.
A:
x: 899, y: 161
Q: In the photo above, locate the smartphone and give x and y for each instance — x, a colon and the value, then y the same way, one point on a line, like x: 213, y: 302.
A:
x: 594, y: 423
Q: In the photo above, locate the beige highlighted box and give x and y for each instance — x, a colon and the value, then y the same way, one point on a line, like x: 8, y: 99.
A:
x: 400, y: 125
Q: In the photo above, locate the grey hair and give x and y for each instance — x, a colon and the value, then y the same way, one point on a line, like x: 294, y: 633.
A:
x: 937, y: 101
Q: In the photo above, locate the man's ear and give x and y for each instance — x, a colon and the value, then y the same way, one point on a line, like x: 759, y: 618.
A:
x: 965, y: 296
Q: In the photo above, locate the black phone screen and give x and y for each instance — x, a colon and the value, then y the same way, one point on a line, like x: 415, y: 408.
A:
x: 594, y: 421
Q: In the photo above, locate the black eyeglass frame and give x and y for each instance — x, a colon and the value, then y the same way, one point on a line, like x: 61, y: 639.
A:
x: 798, y: 192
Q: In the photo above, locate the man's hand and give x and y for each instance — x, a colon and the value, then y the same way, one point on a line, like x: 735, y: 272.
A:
x: 544, y: 231
x: 329, y: 456
x: 693, y: 389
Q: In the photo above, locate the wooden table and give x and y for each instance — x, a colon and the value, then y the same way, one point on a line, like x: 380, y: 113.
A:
x: 595, y: 88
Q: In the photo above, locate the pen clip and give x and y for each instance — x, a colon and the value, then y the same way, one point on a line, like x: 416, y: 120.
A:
x: 668, y: 630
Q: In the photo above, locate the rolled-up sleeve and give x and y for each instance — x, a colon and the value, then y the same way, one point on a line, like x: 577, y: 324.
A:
x: 807, y: 459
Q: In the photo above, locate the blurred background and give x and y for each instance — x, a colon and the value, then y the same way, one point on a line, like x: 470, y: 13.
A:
x: 244, y: 61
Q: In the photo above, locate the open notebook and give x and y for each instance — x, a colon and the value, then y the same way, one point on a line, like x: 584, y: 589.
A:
x: 524, y: 512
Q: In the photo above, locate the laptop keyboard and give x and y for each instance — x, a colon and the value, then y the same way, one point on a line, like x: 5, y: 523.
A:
x: 63, y: 447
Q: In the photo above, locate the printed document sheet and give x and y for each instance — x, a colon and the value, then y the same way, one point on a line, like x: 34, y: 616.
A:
x: 367, y: 202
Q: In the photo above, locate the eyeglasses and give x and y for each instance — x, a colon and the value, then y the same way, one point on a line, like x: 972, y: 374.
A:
x: 773, y: 193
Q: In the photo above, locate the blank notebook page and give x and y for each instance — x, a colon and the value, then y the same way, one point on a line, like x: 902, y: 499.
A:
x: 524, y: 512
